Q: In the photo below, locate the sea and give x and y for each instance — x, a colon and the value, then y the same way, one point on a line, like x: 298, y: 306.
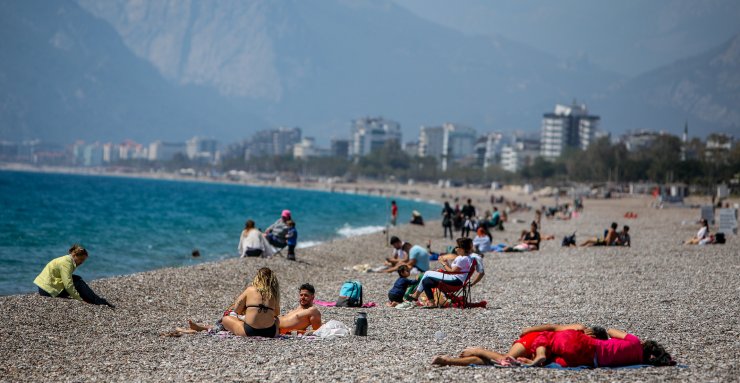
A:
x: 130, y: 225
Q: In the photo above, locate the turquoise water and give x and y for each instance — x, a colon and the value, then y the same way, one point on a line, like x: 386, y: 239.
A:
x: 130, y: 225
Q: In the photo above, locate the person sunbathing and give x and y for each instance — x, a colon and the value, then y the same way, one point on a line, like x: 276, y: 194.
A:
x: 521, y: 348
x: 573, y: 348
x: 529, y: 241
x: 610, y: 238
x: 299, y: 319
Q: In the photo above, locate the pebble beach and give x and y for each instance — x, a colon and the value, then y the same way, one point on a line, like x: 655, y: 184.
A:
x: 685, y: 297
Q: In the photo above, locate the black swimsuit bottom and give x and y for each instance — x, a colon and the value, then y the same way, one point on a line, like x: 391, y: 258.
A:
x: 263, y: 332
x: 268, y: 332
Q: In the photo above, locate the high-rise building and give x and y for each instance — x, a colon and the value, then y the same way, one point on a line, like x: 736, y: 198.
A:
x: 369, y: 134
x: 447, y: 143
x: 204, y: 149
x: 339, y: 148
x: 567, y: 127
x: 522, y: 152
x: 273, y: 142
x: 165, y: 151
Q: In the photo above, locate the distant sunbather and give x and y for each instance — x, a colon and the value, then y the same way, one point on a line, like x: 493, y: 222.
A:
x: 610, y: 238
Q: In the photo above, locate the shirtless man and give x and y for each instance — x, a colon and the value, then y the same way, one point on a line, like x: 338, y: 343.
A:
x: 299, y: 319
x: 306, y: 314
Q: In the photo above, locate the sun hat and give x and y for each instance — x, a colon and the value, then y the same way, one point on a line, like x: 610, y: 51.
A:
x: 415, y: 213
x: 286, y: 213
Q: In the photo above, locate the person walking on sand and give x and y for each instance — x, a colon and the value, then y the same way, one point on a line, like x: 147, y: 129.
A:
x: 57, y: 280
x: 447, y: 217
x: 468, y: 213
x: 394, y: 213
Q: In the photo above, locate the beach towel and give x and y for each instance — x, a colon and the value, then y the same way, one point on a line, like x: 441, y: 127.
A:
x: 556, y: 366
x: 319, y: 302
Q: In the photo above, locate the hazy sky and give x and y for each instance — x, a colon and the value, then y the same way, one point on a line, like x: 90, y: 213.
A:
x: 625, y: 36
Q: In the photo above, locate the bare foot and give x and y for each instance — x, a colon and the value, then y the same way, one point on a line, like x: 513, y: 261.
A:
x: 440, y: 360
x: 182, y: 331
x: 197, y: 327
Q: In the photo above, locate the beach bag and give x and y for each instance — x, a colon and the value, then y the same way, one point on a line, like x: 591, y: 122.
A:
x: 719, y: 238
x: 350, y: 295
x: 569, y: 240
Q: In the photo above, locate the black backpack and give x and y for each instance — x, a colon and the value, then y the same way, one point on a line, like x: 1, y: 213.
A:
x: 569, y: 240
x: 719, y: 238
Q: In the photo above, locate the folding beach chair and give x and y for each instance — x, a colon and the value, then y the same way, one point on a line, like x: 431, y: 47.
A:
x: 458, y: 295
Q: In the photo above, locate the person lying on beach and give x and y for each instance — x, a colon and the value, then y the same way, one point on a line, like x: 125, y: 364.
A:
x: 56, y: 279
x: 456, y: 272
x: 568, y: 346
x: 520, y: 349
x: 252, y: 243
x: 610, y: 238
x: 417, y: 261
x: 396, y: 293
x: 305, y: 315
x: 530, y: 241
x: 574, y: 348
x: 702, y: 236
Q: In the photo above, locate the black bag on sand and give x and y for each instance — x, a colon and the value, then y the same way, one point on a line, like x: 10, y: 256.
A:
x: 719, y: 238
x: 569, y: 240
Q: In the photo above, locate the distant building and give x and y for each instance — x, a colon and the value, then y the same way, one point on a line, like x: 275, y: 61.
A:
x: 447, y: 143
x: 92, y: 155
x: 273, y: 142
x: 307, y: 148
x: 203, y: 149
x: 111, y: 153
x: 488, y: 149
x: 411, y: 148
x: 640, y: 140
x: 165, y: 151
x: 130, y: 150
x: 568, y: 126
x: 339, y: 148
x: 718, y: 147
x: 522, y: 152
x: 369, y: 134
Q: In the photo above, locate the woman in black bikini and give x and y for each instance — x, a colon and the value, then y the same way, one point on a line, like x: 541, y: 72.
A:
x: 260, y: 303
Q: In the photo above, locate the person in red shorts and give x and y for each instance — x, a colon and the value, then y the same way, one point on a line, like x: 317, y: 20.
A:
x: 524, y: 347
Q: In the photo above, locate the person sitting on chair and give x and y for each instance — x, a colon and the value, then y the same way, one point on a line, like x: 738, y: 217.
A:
x: 276, y: 233
x: 455, y: 272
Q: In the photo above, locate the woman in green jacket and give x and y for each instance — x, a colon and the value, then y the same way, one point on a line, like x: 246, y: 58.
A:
x: 57, y: 280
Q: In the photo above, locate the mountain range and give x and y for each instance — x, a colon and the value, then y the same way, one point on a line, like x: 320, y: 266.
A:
x: 173, y: 69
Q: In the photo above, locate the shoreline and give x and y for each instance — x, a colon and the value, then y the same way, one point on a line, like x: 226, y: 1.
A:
x: 656, y: 289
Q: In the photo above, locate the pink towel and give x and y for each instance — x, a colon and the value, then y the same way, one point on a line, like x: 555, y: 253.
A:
x: 319, y: 302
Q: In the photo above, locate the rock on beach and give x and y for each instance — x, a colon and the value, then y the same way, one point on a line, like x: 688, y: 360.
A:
x: 684, y: 297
